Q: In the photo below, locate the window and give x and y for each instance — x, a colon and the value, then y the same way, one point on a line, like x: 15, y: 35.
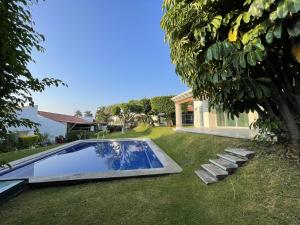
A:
x: 224, y: 121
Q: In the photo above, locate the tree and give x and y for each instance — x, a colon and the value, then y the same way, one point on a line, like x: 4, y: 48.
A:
x: 88, y: 113
x: 241, y: 56
x: 78, y: 113
x: 146, y: 109
x: 126, y: 112
x: 165, y: 105
x: 103, y: 114
x: 17, y: 40
x: 185, y: 106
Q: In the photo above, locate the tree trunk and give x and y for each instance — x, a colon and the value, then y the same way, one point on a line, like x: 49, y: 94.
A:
x: 288, y: 117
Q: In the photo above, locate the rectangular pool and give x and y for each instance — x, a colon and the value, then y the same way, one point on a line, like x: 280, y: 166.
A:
x: 93, y: 159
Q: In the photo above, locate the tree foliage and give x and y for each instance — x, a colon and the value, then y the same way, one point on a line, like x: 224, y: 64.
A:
x: 17, y: 40
x: 88, y: 113
x: 241, y: 56
x: 103, y: 114
x: 147, y: 111
x: 78, y: 113
x: 165, y: 105
x: 126, y: 112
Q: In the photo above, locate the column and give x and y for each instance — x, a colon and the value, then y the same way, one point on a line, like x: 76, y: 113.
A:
x: 178, y: 114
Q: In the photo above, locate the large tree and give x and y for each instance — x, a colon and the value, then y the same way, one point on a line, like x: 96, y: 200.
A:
x: 78, y: 113
x: 103, y: 114
x: 17, y: 40
x: 164, y: 105
x: 240, y: 55
x: 147, y: 111
x: 126, y: 112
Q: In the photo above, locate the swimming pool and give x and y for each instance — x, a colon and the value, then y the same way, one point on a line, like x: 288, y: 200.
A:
x: 93, y: 159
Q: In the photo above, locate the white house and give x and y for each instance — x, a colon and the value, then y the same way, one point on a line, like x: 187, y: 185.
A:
x: 53, y: 124
x: 199, y: 119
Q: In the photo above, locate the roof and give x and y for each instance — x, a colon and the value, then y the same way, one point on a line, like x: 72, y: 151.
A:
x: 182, y: 96
x: 63, y: 118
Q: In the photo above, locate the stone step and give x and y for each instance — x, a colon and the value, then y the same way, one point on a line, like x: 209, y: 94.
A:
x: 224, y: 164
x: 206, y: 177
x: 215, y: 170
x: 243, y: 152
x: 234, y: 159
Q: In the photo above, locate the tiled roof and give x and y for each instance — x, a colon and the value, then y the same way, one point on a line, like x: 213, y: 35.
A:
x: 63, y: 118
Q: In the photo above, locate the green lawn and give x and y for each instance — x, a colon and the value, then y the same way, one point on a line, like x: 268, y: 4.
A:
x: 265, y: 191
x: 11, y: 156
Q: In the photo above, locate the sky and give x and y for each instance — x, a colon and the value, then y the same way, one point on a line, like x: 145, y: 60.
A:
x: 107, y: 51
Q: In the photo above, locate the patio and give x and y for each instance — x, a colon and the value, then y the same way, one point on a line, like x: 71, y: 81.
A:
x: 244, y: 133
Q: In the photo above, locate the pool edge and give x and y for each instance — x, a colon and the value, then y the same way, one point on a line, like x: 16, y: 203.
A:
x: 169, y: 165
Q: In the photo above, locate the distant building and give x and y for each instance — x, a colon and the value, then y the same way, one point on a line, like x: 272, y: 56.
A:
x: 54, y: 124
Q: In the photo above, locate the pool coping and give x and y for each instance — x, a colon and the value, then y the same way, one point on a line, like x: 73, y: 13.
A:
x: 169, y: 165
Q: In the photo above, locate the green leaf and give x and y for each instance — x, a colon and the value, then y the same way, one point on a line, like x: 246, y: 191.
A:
x: 273, y: 16
x: 266, y: 91
x: 282, y: 9
x: 293, y: 6
x: 208, y: 56
x: 260, y: 46
x: 245, y: 38
x: 246, y: 17
x: 258, y: 92
x: 259, y: 55
x: 242, y: 61
x: 216, y: 22
x: 264, y: 79
x: 251, y: 58
x: 269, y: 36
x: 278, y: 30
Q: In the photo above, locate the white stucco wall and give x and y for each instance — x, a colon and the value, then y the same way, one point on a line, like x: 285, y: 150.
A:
x: 51, y: 127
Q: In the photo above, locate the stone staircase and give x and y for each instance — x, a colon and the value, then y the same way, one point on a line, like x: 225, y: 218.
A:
x: 224, y: 165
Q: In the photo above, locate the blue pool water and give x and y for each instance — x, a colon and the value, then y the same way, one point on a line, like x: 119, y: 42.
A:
x: 91, y: 157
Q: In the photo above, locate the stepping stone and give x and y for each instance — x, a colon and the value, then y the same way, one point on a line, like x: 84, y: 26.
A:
x: 224, y: 164
x: 215, y: 171
x: 233, y: 159
x: 240, y: 152
x: 206, y: 177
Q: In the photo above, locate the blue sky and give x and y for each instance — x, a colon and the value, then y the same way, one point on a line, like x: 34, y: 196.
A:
x: 107, y: 51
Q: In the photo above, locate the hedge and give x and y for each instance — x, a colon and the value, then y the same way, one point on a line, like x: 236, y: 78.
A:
x: 28, y: 141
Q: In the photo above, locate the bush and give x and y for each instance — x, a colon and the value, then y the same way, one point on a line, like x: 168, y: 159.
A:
x: 10, y: 143
x: 44, y: 139
x: 78, y: 135
x: 28, y: 141
x: 60, y: 139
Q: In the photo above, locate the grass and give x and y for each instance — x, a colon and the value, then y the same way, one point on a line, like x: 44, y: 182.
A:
x: 265, y: 191
x: 11, y: 156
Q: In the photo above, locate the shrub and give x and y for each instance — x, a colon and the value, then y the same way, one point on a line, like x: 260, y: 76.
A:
x: 9, y: 143
x: 60, y: 139
x: 28, y: 141
x: 75, y: 135
x: 44, y: 139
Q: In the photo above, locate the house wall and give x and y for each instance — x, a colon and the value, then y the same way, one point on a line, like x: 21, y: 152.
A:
x: 198, y: 114
x: 206, y: 119
x: 52, y: 128
x: 27, y: 113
